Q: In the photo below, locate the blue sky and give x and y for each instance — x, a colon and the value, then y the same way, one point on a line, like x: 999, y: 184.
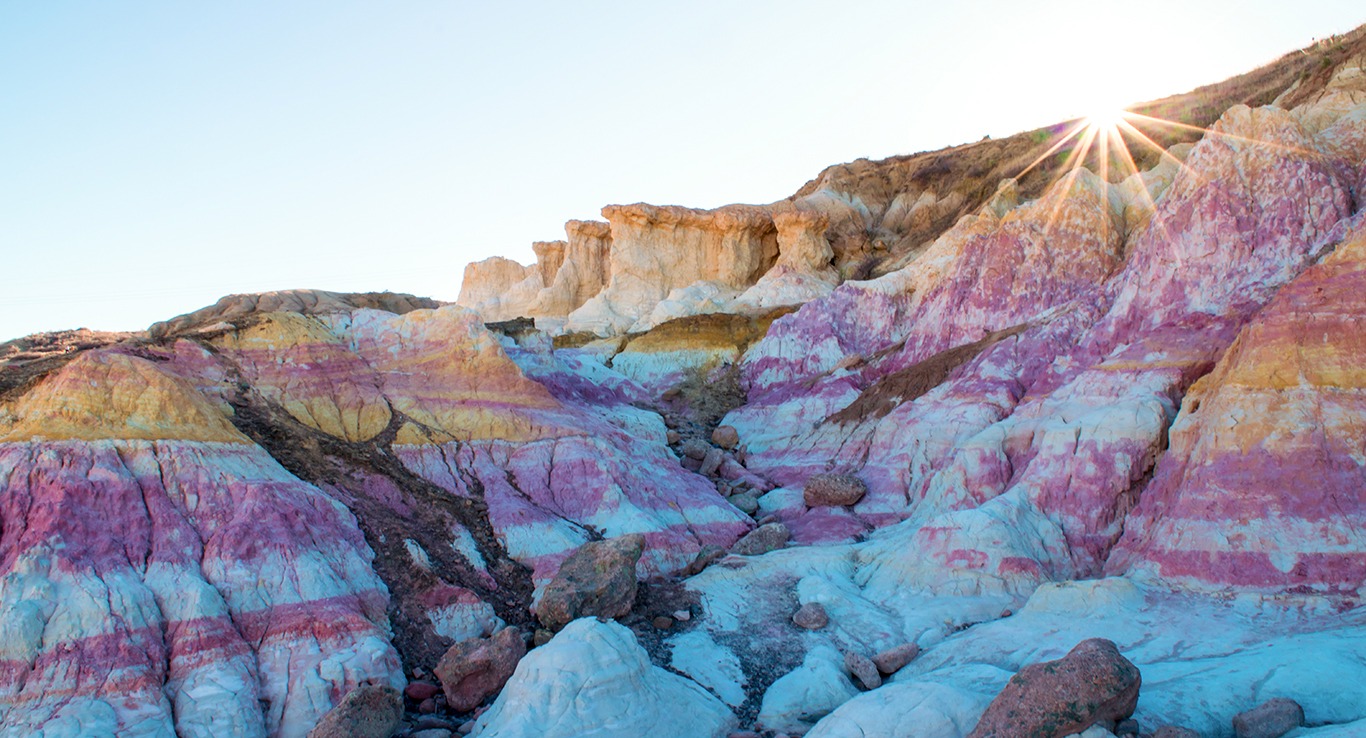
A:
x: 156, y: 156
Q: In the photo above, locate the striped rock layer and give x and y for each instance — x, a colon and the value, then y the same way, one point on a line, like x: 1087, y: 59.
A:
x: 225, y: 533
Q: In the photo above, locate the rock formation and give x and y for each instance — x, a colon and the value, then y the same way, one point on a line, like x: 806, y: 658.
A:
x: 949, y: 416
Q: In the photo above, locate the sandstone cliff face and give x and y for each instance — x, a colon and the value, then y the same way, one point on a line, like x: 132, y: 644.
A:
x: 657, y: 251
x: 498, y: 288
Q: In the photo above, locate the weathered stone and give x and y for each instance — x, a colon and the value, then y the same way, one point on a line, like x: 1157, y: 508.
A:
x: 598, y: 579
x: 811, y: 616
x: 1174, y: 731
x: 368, y: 711
x: 833, y: 490
x: 1093, y: 682
x: 541, y: 637
x: 706, y: 557
x: 747, y: 502
x: 671, y: 437
x: 711, y: 462
x: 761, y: 540
x: 725, y: 436
x: 1271, y: 719
x: 682, y: 615
x: 663, y: 622
x: 863, y: 669
x: 694, y: 449
x: 421, y: 690
x: 891, y: 660
x: 475, y: 669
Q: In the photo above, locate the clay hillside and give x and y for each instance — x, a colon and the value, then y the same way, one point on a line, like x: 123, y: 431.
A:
x: 1010, y: 439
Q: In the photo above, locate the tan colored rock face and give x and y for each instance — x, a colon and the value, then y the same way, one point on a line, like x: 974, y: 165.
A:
x: 498, y: 288
x: 580, y: 271
x: 656, y: 250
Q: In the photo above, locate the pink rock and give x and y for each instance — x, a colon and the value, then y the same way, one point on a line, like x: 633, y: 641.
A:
x: 1092, y: 683
x: 474, y: 670
x: 725, y: 436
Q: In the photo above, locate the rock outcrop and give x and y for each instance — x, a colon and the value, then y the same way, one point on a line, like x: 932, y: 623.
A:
x: 593, y: 677
x: 1031, y: 408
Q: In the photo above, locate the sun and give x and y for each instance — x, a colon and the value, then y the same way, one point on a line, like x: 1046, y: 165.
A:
x: 1106, y: 118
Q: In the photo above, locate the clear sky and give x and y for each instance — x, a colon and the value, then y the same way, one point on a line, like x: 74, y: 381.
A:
x: 155, y: 156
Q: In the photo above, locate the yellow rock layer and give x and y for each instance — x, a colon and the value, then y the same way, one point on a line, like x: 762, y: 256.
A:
x: 108, y: 396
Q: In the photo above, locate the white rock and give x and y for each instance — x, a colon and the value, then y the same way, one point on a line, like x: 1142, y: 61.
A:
x: 593, y: 679
x: 807, y: 693
x: 905, y: 710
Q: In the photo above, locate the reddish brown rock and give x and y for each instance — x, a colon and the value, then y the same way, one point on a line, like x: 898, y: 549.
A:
x: 725, y: 436
x: 833, y: 490
x: 694, y: 449
x: 663, y: 622
x: 368, y: 711
x: 598, y: 579
x: 421, y: 690
x: 862, y: 668
x: 1093, y: 682
x: 1173, y: 731
x: 1271, y: 719
x: 811, y: 616
x: 761, y: 540
x: 475, y: 669
x: 706, y: 557
x: 891, y: 660
x: 711, y: 462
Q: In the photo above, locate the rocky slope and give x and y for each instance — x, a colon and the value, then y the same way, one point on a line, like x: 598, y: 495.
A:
x: 1113, y: 424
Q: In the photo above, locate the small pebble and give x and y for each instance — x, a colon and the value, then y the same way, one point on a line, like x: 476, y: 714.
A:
x: 663, y: 622
x: 683, y: 615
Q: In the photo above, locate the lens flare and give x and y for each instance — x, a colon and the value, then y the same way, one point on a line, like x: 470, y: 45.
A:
x: 1105, y: 119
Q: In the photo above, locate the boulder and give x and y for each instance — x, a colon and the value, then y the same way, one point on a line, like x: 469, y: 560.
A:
x: 1271, y: 719
x: 761, y: 540
x: 475, y: 669
x: 1093, y: 682
x: 595, y: 679
x: 811, y: 616
x: 368, y: 711
x: 833, y: 490
x: 725, y: 436
x: 891, y: 660
x: 598, y: 579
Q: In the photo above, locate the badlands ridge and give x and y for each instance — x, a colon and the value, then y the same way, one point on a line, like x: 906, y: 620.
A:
x: 943, y: 445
